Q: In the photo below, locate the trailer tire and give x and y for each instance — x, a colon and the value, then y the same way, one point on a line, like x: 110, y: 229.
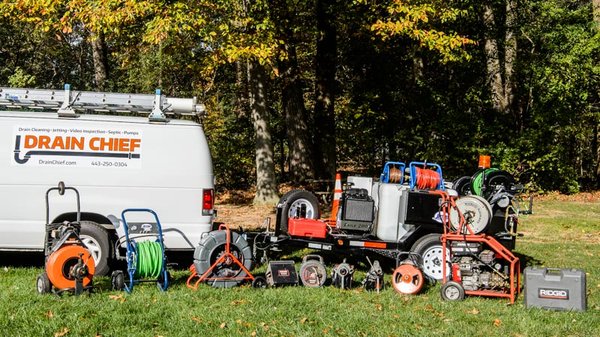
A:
x: 95, y: 239
x: 209, y: 250
x: 294, y: 199
x: 429, y: 247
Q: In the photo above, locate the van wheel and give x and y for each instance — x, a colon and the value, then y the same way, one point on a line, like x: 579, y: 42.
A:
x: 429, y: 247
x: 95, y: 239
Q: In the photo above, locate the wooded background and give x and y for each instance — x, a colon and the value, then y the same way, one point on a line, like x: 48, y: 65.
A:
x: 297, y: 89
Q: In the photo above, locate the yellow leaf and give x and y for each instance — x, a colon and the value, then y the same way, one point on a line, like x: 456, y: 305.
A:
x: 223, y: 325
x: 474, y: 312
x: 497, y: 322
x: 49, y: 314
x: 119, y: 297
x: 303, y: 320
x: 61, y: 333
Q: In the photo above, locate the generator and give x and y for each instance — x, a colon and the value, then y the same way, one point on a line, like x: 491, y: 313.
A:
x: 357, y: 211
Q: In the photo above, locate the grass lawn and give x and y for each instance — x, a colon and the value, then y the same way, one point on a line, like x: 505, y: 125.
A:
x: 559, y: 234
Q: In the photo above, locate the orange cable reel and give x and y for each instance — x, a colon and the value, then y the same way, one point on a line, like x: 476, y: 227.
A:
x: 60, y: 264
x: 407, y: 279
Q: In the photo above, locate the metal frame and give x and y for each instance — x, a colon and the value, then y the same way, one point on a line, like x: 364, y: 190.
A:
x: 223, y: 258
x: 131, y: 255
x: 67, y: 102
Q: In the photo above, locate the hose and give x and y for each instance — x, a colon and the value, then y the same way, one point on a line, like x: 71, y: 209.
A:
x: 149, y: 260
x: 478, y: 180
x: 427, y: 179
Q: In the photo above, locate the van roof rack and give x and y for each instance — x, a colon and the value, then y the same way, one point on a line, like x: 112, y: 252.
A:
x: 66, y: 102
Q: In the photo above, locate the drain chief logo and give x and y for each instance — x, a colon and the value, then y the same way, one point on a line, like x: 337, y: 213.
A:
x: 553, y: 294
x: 76, y: 147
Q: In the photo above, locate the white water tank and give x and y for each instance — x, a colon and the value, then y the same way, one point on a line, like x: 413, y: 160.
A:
x: 392, y: 200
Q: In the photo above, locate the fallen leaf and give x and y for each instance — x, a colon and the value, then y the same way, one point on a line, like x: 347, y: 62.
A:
x: 379, y: 307
x: 325, y: 331
x: 223, y: 325
x: 429, y: 307
x: 303, y: 320
x: 49, y: 314
x: 253, y: 334
x: 61, y: 333
x: 119, y: 297
x: 196, y: 319
x: 238, y: 302
x: 473, y: 312
x: 497, y: 322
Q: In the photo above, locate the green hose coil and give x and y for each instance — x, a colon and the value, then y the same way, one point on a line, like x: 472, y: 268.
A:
x: 149, y: 260
x: 477, y: 180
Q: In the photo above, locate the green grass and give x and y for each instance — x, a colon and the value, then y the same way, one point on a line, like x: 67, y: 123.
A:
x: 559, y: 234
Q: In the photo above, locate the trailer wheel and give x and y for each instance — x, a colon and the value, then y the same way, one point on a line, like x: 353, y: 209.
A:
x: 453, y: 291
x: 95, y: 239
x: 212, y: 247
x: 429, y: 247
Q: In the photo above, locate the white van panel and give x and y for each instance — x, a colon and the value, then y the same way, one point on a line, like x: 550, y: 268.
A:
x: 173, y: 168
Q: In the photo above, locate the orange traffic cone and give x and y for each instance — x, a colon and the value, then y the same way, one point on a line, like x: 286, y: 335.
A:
x: 337, y: 195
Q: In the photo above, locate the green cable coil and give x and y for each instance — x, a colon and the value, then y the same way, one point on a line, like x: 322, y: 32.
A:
x: 149, y: 260
x: 477, y: 184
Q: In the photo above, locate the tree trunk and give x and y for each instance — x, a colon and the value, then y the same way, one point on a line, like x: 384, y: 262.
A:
x: 266, y: 186
x: 292, y: 101
x: 324, y: 135
x: 596, y: 11
x: 500, y: 69
x: 292, y: 98
x: 510, y: 52
x: 100, y: 59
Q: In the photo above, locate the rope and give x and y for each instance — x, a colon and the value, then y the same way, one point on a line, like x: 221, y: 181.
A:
x: 149, y: 259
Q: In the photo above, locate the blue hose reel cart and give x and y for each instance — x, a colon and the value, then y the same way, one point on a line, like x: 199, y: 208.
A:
x: 146, y: 259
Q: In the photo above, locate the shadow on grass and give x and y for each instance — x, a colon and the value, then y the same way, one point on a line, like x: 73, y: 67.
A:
x: 528, y: 261
x: 21, y: 259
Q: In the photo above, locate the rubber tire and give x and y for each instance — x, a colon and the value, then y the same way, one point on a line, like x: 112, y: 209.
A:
x: 259, y: 282
x: 160, y: 282
x: 421, y: 246
x: 294, y: 195
x: 117, y: 280
x: 214, y: 242
x: 462, y: 185
x: 100, y: 235
x: 43, y: 284
x: 460, y: 295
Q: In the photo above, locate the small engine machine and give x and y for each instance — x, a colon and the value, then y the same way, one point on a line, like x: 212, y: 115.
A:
x: 342, y: 275
x: 479, y: 264
x: 69, y: 265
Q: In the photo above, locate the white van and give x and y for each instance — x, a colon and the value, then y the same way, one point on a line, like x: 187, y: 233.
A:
x: 116, y: 162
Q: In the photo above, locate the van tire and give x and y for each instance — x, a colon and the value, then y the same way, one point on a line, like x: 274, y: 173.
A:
x: 95, y: 237
x: 429, y: 248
